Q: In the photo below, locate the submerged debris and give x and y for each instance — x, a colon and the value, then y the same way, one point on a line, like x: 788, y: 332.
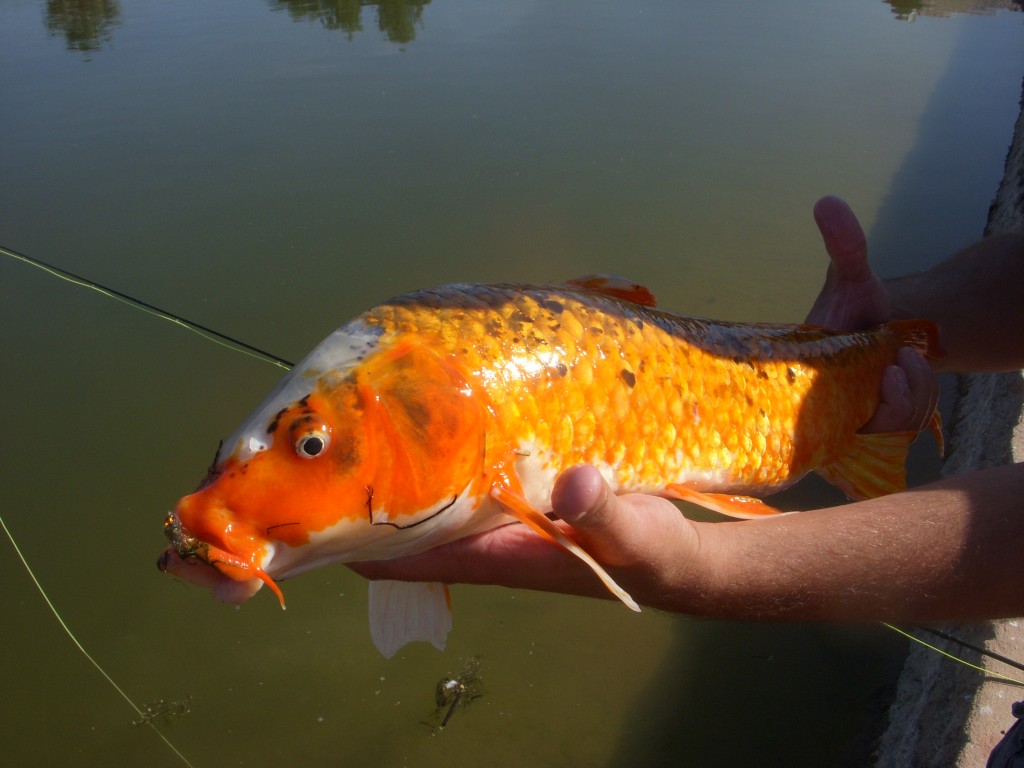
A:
x: 169, y: 711
x: 454, y: 691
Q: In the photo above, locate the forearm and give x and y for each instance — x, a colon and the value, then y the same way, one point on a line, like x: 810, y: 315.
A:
x: 950, y: 550
x: 977, y: 298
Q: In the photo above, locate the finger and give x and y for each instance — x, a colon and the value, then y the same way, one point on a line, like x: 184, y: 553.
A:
x: 844, y: 239
x: 895, y: 411
x: 853, y: 296
x: 924, y: 390
x: 617, y: 530
x: 908, y: 395
x: 490, y: 557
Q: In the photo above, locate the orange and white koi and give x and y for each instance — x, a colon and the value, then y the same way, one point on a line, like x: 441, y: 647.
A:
x: 446, y: 412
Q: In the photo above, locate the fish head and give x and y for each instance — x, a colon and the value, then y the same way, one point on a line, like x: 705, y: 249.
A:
x: 346, y: 471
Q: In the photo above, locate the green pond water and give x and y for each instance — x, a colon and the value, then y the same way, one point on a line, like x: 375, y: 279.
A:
x: 272, y: 168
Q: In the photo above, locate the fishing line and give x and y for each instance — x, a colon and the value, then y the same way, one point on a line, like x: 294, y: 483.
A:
x: 963, y: 644
x: 207, y: 333
x: 81, y: 648
x: 966, y: 663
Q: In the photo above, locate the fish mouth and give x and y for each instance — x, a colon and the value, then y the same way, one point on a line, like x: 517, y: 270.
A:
x: 233, y: 578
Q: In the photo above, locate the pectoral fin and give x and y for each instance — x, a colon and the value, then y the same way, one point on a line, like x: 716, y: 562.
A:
x: 403, y: 612
x: 745, y: 507
x: 520, y: 508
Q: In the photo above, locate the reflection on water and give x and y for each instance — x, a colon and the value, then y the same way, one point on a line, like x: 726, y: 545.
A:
x: 908, y: 10
x: 84, y: 23
x: 397, y: 19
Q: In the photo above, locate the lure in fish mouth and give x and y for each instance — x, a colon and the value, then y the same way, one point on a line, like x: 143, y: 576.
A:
x: 232, y: 577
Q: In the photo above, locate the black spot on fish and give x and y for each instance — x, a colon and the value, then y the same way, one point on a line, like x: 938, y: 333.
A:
x: 561, y: 368
x: 304, y: 402
x: 762, y: 374
x: 555, y: 306
x: 276, y: 420
x: 301, y: 421
x: 212, y: 472
x: 629, y: 377
x: 790, y: 375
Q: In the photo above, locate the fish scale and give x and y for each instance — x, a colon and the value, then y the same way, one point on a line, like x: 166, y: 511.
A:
x: 645, y: 394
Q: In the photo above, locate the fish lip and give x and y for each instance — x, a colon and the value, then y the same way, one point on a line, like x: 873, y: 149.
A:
x: 199, y: 562
x: 190, y: 547
x: 195, y: 571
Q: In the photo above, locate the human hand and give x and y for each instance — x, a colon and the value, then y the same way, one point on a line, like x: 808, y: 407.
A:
x: 854, y: 298
x: 645, y: 543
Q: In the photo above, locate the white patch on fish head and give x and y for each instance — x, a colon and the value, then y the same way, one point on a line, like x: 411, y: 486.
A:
x: 338, y: 354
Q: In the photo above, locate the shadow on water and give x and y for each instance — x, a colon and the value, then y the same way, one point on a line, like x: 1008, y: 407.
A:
x: 922, y: 218
x: 787, y: 685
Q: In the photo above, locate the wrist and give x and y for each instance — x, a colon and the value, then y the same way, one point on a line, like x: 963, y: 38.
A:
x: 692, y: 579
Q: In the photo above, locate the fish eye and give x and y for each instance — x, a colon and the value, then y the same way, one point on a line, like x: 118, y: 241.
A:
x: 312, y: 444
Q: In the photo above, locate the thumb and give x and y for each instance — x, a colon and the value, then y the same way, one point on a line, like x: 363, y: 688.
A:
x: 844, y: 239
x: 583, y: 499
x: 617, y: 530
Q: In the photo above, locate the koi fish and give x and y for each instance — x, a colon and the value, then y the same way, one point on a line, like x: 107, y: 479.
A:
x: 446, y: 412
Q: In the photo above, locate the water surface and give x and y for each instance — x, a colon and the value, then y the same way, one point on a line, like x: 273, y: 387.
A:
x: 271, y: 169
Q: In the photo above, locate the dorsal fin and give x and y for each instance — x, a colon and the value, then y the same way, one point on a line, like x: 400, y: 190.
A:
x: 614, y: 285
